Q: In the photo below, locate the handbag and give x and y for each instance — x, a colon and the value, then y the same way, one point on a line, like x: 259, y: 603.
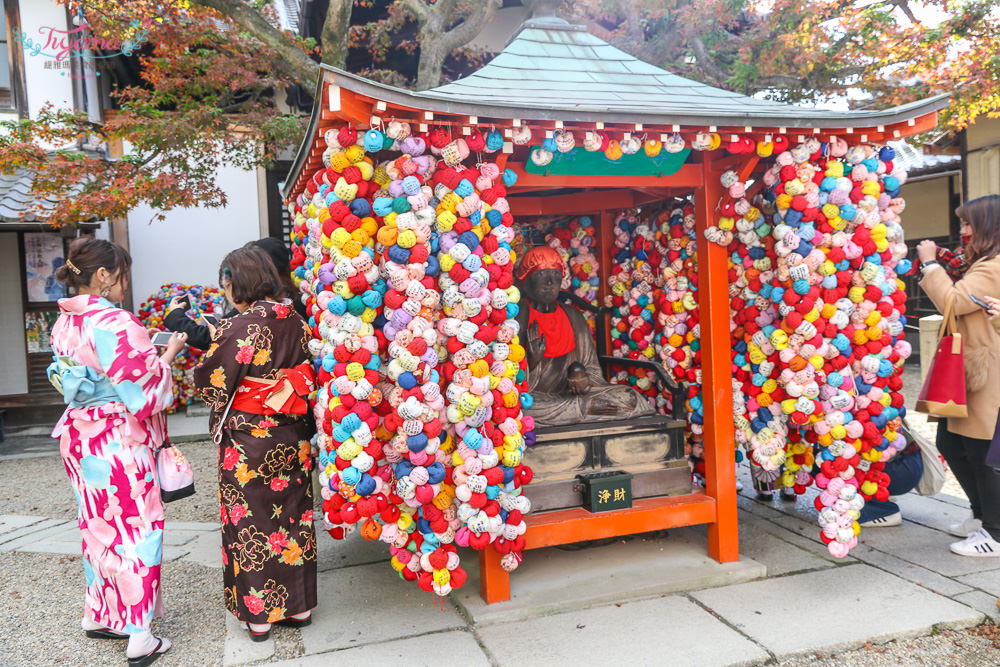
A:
x: 175, y: 474
x: 932, y: 481
x: 943, y: 393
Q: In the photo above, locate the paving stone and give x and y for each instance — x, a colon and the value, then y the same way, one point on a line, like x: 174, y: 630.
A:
x: 926, y: 547
x: 666, y: 630
x: 554, y: 580
x: 988, y: 581
x: 201, y: 526
x: 31, y: 534
x: 932, y: 511
x: 350, y: 551
x: 183, y: 428
x: 178, y: 537
x: 63, y: 548
x: 984, y: 602
x: 801, y: 532
x: 765, y: 610
x: 909, y: 571
x: 70, y: 533
x: 368, y: 604
x: 457, y: 647
x: 803, y: 536
x: 12, y: 522
x: 777, y: 555
x: 954, y: 500
x: 239, y: 648
x: 173, y: 553
x: 205, y: 549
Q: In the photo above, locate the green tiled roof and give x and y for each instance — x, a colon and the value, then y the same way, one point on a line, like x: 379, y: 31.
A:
x: 552, y: 70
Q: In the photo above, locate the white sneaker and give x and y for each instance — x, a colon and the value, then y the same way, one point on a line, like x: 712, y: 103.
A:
x: 965, y: 528
x: 894, y: 519
x: 979, y: 544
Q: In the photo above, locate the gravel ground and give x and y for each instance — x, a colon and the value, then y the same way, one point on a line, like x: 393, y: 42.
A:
x: 45, y: 592
x: 977, y: 647
x: 39, y: 487
x: 48, y: 589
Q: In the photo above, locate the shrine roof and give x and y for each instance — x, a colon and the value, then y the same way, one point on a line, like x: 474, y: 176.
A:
x: 554, y: 70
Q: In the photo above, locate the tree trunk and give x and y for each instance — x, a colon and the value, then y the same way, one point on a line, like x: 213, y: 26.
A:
x: 334, y: 34
x: 292, y: 61
x: 432, y: 55
x: 436, y: 44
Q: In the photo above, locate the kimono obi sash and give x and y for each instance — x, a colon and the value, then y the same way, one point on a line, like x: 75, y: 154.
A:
x: 287, y: 395
x: 80, y: 385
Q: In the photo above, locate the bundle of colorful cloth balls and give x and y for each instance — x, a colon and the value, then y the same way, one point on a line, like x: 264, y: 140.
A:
x: 652, y: 297
x: 151, y: 313
x: 818, y: 311
x: 817, y: 314
x: 404, y: 255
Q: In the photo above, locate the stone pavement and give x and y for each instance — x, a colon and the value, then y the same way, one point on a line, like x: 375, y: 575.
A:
x: 623, y: 602
x: 191, y: 541
x: 32, y: 442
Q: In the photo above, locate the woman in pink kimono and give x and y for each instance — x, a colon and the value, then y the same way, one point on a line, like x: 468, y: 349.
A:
x: 116, y: 388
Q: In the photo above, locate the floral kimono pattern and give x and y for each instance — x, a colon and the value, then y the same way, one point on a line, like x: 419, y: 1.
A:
x: 116, y: 391
x: 265, y: 468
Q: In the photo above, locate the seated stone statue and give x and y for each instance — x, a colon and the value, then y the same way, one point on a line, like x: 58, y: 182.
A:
x: 564, y: 376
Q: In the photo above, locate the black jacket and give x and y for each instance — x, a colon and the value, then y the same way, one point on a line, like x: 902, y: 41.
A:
x: 198, y: 334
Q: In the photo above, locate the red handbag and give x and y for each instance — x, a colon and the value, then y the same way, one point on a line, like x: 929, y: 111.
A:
x: 943, y: 393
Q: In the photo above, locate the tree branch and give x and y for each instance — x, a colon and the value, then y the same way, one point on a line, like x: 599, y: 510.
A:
x: 292, y: 61
x: 334, y: 33
x: 464, y: 32
x: 905, y: 6
x: 419, y: 11
x: 705, y: 61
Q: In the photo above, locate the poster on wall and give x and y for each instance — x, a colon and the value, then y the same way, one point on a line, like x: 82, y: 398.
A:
x: 43, y: 254
x: 37, y: 328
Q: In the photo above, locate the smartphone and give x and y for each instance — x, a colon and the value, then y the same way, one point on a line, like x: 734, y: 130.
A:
x: 200, y: 316
x: 193, y: 307
x: 161, y: 338
x: 979, y: 302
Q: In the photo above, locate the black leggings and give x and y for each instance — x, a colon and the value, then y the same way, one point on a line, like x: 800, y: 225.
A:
x: 967, y: 459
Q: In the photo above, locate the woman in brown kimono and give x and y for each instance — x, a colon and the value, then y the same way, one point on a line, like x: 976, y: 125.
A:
x: 257, y: 378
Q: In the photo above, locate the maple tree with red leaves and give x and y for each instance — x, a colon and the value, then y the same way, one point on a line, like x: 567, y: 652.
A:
x: 880, y: 53
x: 212, y: 78
x: 212, y: 75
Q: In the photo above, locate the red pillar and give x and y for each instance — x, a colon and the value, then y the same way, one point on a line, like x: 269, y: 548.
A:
x: 716, y: 371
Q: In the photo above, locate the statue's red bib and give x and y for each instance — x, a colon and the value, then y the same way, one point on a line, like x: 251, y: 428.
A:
x: 556, y: 328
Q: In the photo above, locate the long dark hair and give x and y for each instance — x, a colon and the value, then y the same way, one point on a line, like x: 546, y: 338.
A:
x: 280, y: 257
x: 983, y: 216
x: 252, y: 274
x: 88, y: 254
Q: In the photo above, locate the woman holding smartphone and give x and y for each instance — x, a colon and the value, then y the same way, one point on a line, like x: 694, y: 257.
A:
x: 257, y: 377
x: 201, y: 330
x: 964, y: 442
x: 116, y: 387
